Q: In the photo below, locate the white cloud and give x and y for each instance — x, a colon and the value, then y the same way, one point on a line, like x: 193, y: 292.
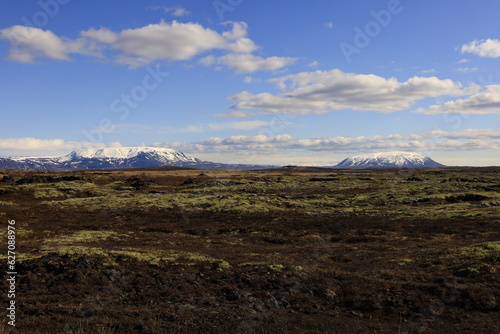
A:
x: 249, y: 79
x: 166, y: 41
x: 102, y: 35
x: 484, y: 102
x: 313, y: 64
x: 242, y: 45
x: 244, y: 125
x: 27, y: 44
x: 239, y: 30
x: 463, y: 61
x: 437, y: 140
x: 136, y: 47
x: 175, y: 11
x: 468, y: 134
x: 466, y: 69
x: 237, y: 37
x: 208, y: 60
x: 163, y: 41
x: 246, y: 149
x: 488, y: 48
x: 240, y: 58
x: 34, y: 146
x: 236, y: 114
x: 248, y: 63
x: 321, y: 92
x: 328, y: 25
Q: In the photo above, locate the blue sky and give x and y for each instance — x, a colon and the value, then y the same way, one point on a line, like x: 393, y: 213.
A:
x: 244, y: 81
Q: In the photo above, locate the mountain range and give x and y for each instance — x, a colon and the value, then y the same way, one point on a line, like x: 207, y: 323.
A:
x: 143, y: 157
x: 117, y: 158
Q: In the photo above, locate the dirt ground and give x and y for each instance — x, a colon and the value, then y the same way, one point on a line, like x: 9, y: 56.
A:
x: 292, y: 250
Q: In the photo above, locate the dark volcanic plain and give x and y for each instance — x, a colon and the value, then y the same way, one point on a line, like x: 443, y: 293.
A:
x: 290, y: 250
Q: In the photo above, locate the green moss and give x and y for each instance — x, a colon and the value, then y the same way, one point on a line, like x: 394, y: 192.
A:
x: 62, y: 246
x: 47, y: 193
x: 477, y: 258
x: 387, y: 194
x: 86, y: 236
x: 480, y: 250
x: 252, y: 264
x: 275, y: 267
x: 71, y: 251
x: 403, y: 261
x: 156, y: 256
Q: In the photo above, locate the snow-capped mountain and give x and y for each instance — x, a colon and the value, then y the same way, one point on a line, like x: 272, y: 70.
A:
x: 165, y: 154
x: 389, y: 160
x: 126, y: 157
x: 115, y: 158
x: 103, y: 158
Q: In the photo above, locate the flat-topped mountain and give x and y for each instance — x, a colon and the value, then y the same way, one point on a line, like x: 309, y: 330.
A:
x: 389, y: 160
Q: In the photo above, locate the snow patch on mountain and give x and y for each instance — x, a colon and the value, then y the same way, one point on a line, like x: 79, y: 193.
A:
x: 117, y: 153
x: 389, y: 160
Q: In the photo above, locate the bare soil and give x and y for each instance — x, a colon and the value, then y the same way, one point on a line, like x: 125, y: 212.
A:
x: 405, y: 251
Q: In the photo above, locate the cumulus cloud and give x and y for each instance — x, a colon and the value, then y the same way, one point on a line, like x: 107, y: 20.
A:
x: 468, y: 134
x: 102, y: 35
x: 484, y: 102
x: 248, y: 63
x: 488, y: 48
x: 242, y: 45
x: 164, y: 41
x: 136, y: 47
x: 436, y: 140
x: 27, y: 44
x: 321, y: 92
x: 240, y: 58
x: 267, y: 144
